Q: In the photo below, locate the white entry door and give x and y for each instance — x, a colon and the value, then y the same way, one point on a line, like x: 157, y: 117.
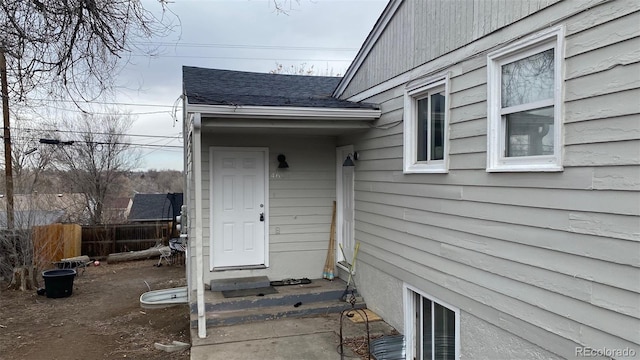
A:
x: 239, y: 217
x: 345, y: 204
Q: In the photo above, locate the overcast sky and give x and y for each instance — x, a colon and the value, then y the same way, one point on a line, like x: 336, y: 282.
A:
x: 245, y: 35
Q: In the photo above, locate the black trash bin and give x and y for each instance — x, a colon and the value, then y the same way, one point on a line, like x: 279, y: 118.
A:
x: 58, y: 283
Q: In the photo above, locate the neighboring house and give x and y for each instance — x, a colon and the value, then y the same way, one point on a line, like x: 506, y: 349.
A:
x: 155, y: 207
x: 43, y: 209
x: 116, y: 210
x: 496, y: 186
x: 25, y: 219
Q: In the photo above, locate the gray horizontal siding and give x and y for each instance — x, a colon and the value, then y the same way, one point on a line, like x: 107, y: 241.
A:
x: 468, y: 129
x: 551, y: 257
x: 608, y: 202
x: 604, y: 130
x: 601, y: 178
x: 521, y: 282
x: 623, y: 227
x: 613, y: 80
x: 603, y: 154
x: 603, y: 106
x: 519, y: 317
x: 601, y: 59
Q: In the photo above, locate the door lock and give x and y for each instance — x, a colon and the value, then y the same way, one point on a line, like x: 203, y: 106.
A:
x: 261, y: 216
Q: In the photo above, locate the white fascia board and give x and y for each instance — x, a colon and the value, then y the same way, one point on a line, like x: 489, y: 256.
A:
x: 287, y: 124
x: 366, y: 47
x: 274, y: 112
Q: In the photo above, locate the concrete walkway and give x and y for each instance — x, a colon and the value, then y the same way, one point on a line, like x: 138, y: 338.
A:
x: 315, y: 338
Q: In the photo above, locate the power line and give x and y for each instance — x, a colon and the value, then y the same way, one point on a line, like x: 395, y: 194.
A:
x: 98, y: 133
x: 105, y: 143
x: 161, y: 149
x: 158, y: 149
x: 111, y: 113
x: 236, y: 58
x: 118, y: 143
x: 246, y: 46
x: 107, y: 103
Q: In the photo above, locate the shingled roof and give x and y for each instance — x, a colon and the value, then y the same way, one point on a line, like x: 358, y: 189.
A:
x: 155, y: 207
x: 225, y: 87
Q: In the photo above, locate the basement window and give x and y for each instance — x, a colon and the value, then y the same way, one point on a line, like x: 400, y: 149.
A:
x: 432, y: 327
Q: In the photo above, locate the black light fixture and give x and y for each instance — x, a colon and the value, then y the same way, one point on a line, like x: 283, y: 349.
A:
x: 348, y: 161
x: 282, y: 162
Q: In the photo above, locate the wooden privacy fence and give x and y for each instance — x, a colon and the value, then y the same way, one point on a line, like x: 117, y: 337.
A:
x: 102, y: 240
x: 54, y: 242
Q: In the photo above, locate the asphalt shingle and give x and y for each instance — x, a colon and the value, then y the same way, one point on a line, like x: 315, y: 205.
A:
x: 147, y: 207
x: 226, y: 87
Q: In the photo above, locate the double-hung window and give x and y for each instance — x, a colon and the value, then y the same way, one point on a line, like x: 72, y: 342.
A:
x: 524, y: 104
x: 425, y: 126
x: 432, y: 328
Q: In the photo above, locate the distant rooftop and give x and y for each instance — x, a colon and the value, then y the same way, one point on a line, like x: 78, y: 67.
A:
x: 117, y: 203
x: 25, y: 219
x: 155, y: 207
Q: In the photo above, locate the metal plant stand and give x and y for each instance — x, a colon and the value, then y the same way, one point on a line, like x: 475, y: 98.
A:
x: 349, y: 313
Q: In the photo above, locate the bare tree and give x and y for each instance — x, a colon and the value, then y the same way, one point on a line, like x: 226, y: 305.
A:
x: 156, y: 181
x: 66, y: 48
x: 285, y: 6
x: 76, y: 45
x: 302, y: 69
x: 72, y: 45
x: 30, y: 160
x: 17, y: 252
x: 93, y: 157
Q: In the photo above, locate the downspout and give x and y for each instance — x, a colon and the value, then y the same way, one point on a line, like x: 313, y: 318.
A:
x: 197, y: 173
x: 187, y: 130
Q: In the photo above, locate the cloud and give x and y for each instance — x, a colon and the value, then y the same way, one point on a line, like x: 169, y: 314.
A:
x: 256, y: 37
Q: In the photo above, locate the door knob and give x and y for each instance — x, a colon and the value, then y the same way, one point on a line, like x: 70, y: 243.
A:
x: 261, y: 216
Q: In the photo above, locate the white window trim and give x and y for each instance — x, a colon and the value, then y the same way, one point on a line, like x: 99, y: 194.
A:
x: 496, y: 161
x: 409, y: 313
x: 412, y: 91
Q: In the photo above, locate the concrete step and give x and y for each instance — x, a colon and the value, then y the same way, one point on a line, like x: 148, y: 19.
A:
x: 242, y: 316
x: 318, y: 298
x: 278, y: 299
x: 317, y: 291
x: 252, y: 282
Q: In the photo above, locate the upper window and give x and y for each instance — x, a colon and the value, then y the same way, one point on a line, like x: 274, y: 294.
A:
x: 524, y: 105
x: 425, y: 127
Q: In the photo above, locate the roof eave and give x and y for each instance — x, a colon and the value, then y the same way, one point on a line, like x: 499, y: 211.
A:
x: 284, y: 112
x: 366, y: 47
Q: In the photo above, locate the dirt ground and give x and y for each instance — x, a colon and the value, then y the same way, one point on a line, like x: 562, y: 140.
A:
x: 102, y: 319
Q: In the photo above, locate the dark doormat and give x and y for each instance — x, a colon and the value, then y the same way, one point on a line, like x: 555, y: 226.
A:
x: 286, y: 282
x: 250, y: 292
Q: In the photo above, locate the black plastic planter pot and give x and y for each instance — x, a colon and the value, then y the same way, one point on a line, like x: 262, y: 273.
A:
x: 58, y: 283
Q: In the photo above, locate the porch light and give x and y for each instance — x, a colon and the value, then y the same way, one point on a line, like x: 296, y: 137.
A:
x: 348, y: 161
x: 282, y: 162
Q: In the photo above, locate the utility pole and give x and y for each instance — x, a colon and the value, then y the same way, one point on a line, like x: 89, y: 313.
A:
x: 8, y: 165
